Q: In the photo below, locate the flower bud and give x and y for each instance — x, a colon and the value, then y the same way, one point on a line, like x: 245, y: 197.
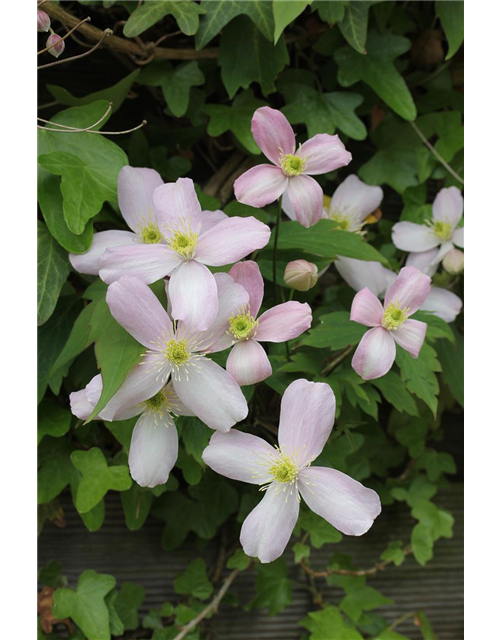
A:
x: 42, y: 21
x: 301, y: 275
x: 453, y: 262
x: 56, y: 44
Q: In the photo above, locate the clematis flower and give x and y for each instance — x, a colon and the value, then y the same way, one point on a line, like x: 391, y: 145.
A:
x: 292, y: 168
x: 154, y: 446
x: 42, y: 21
x: 248, y: 362
x: 453, y: 262
x: 390, y: 323
x: 352, y: 203
x: 428, y: 244
x: 301, y: 275
x: 55, y: 45
x: 184, y: 251
x: 286, y: 474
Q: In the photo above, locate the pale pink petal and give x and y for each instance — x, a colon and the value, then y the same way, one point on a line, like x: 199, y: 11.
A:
x: 153, y: 449
x: 239, y: 456
x: 424, y: 261
x: 231, y: 240
x: 410, y: 336
x: 443, y: 303
x: 148, y: 262
x: 409, y: 236
x: 356, y: 199
x: 458, y: 237
x: 375, y: 354
x: 303, y: 200
x: 248, y: 363
x: 445, y: 248
x: 88, y: 262
x: 448, y: 206
x: 135, y: 195
x: 248, y: 274
x: 284, y: 322
x: 273, y: 133
x: 138, y: 310
x: 267, y: 530
x: 409, y: 290
x: 361, y: 273
x: 210, y: 218
x: 366, y: 308
x: 82, y: 402
x: 193, y: 294
x: 176, y: 204
x: 324, y: 153
x: 176, y: 407
x: 260, y: 185
x: 343, y: 502
x: 212, y: 395
x: 306, y: 420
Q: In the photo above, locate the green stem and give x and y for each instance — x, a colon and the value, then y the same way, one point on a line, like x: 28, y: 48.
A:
x: 275, y: 250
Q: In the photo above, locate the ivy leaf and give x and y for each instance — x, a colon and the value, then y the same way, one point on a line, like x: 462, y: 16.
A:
x: 284, y: 13
x: 53, y: 420
x: 78, y: 339
x: 220, y: 12
x: 195, y: 436
x: 335, y: 330
x: 52, y: 271
x: 354, y: 25
x: 175, y: 82
x: 55, y: 468
x: 394, y: 391
x: 86, y: 605
x: 273, y: 587
x: 301, y: 551
x: 329, y: 623
x: 451, y: 357
x: 377, y: 69
x: 245, y: 56
x: 239, y: 560
x: 394, y: 553
x: 128, y: 600
x: 330, y: 11
x: 451, y: 15
x: 97, y: 478
x: 363, y: 599
x: 438, y: 521
x: 320, y: 530
x: 418, y: 374
x: 194, y: 581
x: 422, y: 544
x: 136, y: 503
x: 185, y: 12
x: 436, y: 463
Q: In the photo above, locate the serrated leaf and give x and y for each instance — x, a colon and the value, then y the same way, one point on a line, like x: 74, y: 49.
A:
x: 418, y: 374
x: 52, y: 271
x: 150, y: 12
x: 285, y: 12
x: 394, y: 391
x: 335, y: 330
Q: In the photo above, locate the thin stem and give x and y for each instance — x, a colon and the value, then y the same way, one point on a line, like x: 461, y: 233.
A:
x: 48, y: 104
x: 87, y: 19
x: 74, y: 129
x: 275, y: 250
x: 401, y: 619
x: 337, y: 360
x: 435, y: 153
x: 106, y: 34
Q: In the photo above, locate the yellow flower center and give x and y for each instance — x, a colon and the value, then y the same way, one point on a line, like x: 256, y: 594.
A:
x: 394, y: 316
x: 342, y: 220
x: 157, y: 402
x: 243, y: 326
x: 184, y: 243
x: 176, y: 352
x: 150, y: 234
x: 285, y: 470
x: 292, y: 165
x: 442, y: 230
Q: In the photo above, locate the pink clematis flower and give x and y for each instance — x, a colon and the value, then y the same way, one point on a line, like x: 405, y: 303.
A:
x: 185, y: 252
x: 376, y: 352
x: 352, y: 202
x: 306, y: 421
x: 247, y: 361
x: 430, y: 243
x: 291, y: 171
x: 360, y: 273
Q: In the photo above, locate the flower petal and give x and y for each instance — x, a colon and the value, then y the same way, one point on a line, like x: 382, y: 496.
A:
x: 458, y: 237
x: 410, y: 336
x: 306, y: 419
x: 79, y: 402
x: 88, y: 262
x: 424, y: 261
x: 343, y: 502
x: 445, y: 248
x: 284, y: 322
x: 231, y: 240
x: 361, y: 273
x: 239, y: 456
x: 356, y: 198
x: 260, y: 185
x: 248, y: 363
x: 366, y: 308
x: 443, y: 303
x: 138, y: 310
x: 153, y: 449
x: 248, y: 274
x: 176, y: 204
x: 409, y: 290
x: 324, y: 153
x: 273, y: 133
x: 375, y: 354
x: 212, y: 395
x: 210, y: 218
x: 448, y: 206
x: 148, y: 262
x: 193, y: 294
x: 267, y: 530
x: 409, y: 236
x: 303, y: 200
x: 135, y: 195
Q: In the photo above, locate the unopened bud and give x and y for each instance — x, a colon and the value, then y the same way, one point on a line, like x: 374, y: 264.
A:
x: 56, y: 45
x: 301, y: 275
x: 453, y: 262
x: 42, y: 21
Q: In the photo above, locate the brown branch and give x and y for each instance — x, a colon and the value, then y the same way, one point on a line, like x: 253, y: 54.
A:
x: 87, y: 19
x: 105, y: 34
x: 436, y: 154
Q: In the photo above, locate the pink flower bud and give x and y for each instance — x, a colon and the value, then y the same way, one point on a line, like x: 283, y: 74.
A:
x: 42, y: 21
x: 453, y: 262
x: 58, y: 45
x: 301, y: 275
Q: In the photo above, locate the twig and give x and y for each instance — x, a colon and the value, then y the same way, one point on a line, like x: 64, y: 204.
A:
x: 48, y: 104
x: 105, y: 34
x: 337, y: 360
x: 401, y: 619
x: 87, y: 19
x: 211, y: 607
x: 435, y: 153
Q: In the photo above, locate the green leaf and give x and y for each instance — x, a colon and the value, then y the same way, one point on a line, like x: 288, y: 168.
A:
x: 194, y: 581
x: 86, y: 605
x: 78, y: 339
x: 330, y: 11
x: 394, y: 553
x: 436, y: 463
x: 438, y: 521
x: 418, y: 374
x: 53, y: 420
x: 215, y: 501
x: 451, y: 15
x: 52, y: 271
x: 97, y: 478
x: 220, y: 12
x: 128, y: 600
x: 236, y: 118
x: 363, y: 599
x: 136, y: 503
x: 451, y: 357
x: 320, y: 530
x: 150, y: 12
x: 239, y: 560
x: 377, y: 69
x: 327, y: 624
x: 422, y: 543
x: 394, y: 391
x: 354, y: 25
x: 284, y: 13
x: 94, y: 518
x: 195, y: 436
x: 175, y: 82
x: 301, y: 551
x: 425, y: 627
x: 50, y: 574
x: 335, y: 330
x: 274, y: 591
x: 245, y: 56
